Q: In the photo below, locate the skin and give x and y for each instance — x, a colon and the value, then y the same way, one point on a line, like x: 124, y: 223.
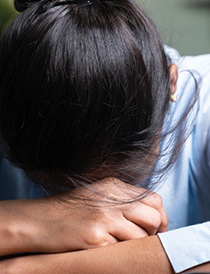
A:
x: 174, y: 77
x: 144, y: 255
x: 125, y: 257
x: 48, y: 225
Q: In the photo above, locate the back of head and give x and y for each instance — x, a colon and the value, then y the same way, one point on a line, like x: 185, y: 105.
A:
x: 83, y: 85
x: 22, y: 5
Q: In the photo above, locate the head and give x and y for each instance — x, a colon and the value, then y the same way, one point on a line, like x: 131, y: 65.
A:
x: 84, y: 89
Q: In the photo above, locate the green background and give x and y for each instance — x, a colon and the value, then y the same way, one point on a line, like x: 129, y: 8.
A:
x: 183, y: 24
x: 7, y: 13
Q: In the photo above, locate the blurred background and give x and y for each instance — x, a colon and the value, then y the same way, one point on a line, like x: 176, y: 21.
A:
x: 7, y: 13
x: 183, y: 24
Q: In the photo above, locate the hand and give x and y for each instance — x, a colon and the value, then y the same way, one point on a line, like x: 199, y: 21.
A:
x: 85, y: 218
x: 80, y: 219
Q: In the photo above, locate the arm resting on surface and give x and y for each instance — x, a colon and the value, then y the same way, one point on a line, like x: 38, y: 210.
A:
x: 39, y: 234
x: 18, y: 230
x: 66, y: 222
x: 144, y: 255
x: 141, y: 256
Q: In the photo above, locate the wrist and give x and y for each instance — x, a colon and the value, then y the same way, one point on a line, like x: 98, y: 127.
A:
x: 20, y: 228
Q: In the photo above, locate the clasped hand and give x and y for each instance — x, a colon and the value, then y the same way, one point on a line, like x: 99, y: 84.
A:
x: 85, y: 218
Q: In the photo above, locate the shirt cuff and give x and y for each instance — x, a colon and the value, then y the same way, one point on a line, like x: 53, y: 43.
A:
x: 188, y: 246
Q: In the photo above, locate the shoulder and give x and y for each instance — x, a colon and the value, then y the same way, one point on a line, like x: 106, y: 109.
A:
x: 199, y: 63
x: 193, y: 93
x: 194, y: 75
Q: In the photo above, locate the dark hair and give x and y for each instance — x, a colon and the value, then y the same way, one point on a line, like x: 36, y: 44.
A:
x: 83, y: 88
x: 21, y: 5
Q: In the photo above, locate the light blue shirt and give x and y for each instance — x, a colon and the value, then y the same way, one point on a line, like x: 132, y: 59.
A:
x: 186, y: 188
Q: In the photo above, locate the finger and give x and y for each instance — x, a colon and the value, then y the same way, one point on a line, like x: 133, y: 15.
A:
x: 154, y: 200
x: 164, y: 221
x: 126, y: 230
x: 144, y: 216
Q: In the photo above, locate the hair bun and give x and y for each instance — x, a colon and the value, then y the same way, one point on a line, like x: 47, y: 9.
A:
x: 22, y: 5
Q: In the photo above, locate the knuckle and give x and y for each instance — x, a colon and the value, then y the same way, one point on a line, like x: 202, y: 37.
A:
x: 96, y: 237
x: 156, y: 220
x: 157, y: 199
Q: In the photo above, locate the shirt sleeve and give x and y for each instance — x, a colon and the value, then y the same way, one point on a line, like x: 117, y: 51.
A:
x: 188, y: 246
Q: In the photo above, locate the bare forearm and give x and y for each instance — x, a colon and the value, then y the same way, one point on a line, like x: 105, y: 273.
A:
x: 142, y: 256
x: 29, y: 226
x: 48, y: 225
x: 16, y: 234
x: 137, y: 256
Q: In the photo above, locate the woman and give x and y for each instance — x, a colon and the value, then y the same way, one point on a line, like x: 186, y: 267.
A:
x: 85, y: 95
